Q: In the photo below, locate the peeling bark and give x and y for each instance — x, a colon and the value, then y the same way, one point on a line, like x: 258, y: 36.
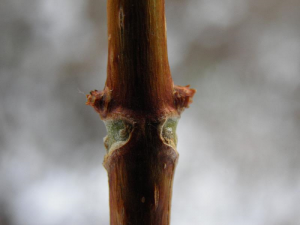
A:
x: 140, y: 106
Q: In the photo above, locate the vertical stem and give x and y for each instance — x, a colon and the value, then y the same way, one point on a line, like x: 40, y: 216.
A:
x: 138, y: 68
x: 140, y: 107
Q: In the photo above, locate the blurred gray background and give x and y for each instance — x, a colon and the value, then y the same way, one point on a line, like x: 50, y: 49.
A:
x: 239, y: 141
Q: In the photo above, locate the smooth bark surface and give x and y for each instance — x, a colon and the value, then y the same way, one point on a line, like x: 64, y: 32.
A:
x: 140, y: 107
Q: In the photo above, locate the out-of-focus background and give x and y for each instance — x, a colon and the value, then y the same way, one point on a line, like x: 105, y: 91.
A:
x: 239, y: 142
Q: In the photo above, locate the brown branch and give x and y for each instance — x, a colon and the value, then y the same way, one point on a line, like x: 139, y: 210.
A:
x: 140, y: 107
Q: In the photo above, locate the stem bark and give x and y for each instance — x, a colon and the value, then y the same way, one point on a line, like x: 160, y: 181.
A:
x: 140, y: 106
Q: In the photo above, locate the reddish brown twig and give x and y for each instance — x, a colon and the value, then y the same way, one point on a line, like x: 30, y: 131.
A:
x: 140, y: 106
